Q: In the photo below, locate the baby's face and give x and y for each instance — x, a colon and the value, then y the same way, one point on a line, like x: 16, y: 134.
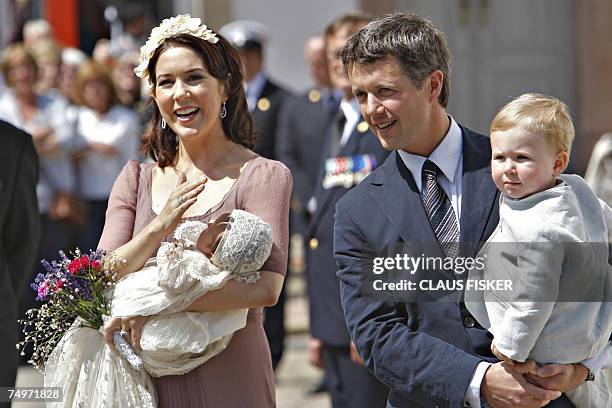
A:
x: 523, y: 163
x: 209, y: 239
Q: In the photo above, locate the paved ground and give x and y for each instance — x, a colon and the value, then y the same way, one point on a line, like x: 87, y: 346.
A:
x: 295, y: 378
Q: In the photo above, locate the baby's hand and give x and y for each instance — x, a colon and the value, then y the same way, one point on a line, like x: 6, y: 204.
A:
x: 209, y: 239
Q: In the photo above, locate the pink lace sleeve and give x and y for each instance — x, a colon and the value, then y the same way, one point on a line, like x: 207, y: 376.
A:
x: 121, y: 212
x: 267, y: 194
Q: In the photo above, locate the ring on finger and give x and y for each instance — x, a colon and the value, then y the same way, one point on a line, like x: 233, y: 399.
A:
x: 180, y: 200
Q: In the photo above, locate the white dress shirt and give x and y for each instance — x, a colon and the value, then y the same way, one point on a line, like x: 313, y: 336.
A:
x: 253, y: 89
x: 119, y: 128
x: 352, y: 114
x: 448, y: 156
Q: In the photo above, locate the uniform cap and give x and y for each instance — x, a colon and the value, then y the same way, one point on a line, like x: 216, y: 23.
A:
x: 245, y: 34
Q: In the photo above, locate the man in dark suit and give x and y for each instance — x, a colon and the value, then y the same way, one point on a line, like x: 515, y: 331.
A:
x: 350, y: 153
x: 20, y: 232
x: 429, y: 351
x: 264, y: 99
x: 302, y: 128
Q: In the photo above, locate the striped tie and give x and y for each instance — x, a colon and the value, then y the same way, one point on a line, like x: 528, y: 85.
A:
x: 440, y: 211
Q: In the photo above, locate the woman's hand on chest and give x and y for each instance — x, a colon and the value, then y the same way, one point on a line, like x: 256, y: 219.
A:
x: 164, y: 183
x: 183, y: 196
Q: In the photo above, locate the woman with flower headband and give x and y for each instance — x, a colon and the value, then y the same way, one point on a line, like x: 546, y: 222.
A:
x: 200, y: 137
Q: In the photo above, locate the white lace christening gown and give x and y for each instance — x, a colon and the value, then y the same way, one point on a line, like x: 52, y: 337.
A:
x: 93, y: 375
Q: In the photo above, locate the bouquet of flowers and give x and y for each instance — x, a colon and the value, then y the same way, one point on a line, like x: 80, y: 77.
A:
x: 70, y: 289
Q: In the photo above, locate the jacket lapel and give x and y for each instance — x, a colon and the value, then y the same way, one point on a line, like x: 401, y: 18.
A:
x: 325, y: 197
x: 267, y: 89
x: 479, y: 194
x: 398, y: 198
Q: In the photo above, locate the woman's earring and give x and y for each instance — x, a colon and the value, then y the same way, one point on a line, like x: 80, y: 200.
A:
x: 223, y: 111
x: 163, y: 123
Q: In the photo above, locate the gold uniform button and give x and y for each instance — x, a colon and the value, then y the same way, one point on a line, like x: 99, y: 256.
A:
x: 363, y: 126
x: 314, y: 96
x: 263, y: 104
x: 313, y: 243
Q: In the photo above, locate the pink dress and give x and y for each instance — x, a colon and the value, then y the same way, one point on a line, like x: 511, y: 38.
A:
x: 241, y: 375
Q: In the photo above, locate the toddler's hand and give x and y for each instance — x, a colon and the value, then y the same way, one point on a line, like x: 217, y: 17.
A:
x: 528, y: 367
x: 209, y: 239
x: 500, y: 356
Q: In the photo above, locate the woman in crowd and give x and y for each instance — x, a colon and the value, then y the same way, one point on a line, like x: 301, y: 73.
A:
x: 126, y: 82
x: 48, y: 56
x: 72, y: 59
x: 111, y: 133
x: 128, y: 85
x: 200, y: 137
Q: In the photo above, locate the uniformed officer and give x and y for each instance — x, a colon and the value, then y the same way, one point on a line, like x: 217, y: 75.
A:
x: 351, y: 152
x: 264, y: 99
x: 302, y: 128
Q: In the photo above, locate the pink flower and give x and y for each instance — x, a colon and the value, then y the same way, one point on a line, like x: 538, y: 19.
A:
x: 43, y: 289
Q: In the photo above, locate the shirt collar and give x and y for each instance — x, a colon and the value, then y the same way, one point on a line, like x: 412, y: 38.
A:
x: 350, y: 109
x: 446, y: 156
x: 255, y: 85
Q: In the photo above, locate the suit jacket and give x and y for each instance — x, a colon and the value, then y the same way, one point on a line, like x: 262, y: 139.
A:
x: 300, y: 139
x: 19, y: 219
x: 425, y: 351
x: 326, y: 316
x: 266, y: 115
x: 19, y: 236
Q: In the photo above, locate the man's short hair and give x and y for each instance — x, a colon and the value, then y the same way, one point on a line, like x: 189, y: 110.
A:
x: 415, y: 41
x: 538, y: 113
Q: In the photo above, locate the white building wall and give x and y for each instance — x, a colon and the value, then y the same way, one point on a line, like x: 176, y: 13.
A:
x: 290, y: 23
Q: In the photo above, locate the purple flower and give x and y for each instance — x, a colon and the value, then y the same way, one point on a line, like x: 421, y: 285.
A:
x: 81, y: 285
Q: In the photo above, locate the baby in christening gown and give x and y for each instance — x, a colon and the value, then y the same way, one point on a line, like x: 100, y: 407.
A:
x: 172, y: 342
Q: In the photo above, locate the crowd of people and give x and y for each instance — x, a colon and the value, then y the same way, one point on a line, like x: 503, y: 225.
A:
x: 85, y: 121
x: 191, y: 126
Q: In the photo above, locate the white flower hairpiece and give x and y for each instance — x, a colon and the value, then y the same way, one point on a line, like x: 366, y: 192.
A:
x: 170, y: 27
